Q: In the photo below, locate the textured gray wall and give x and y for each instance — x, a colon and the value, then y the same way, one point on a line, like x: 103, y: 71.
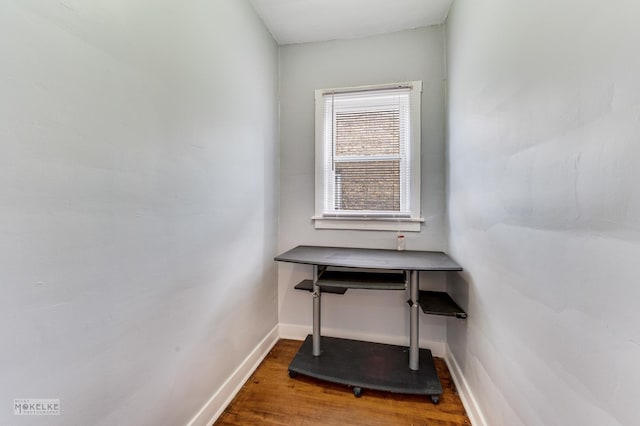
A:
x: 138, y: 171
x: 544, y: 202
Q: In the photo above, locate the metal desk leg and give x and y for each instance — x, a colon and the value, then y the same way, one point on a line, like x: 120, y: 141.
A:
x: 414, y: 349
x: 316, y: 313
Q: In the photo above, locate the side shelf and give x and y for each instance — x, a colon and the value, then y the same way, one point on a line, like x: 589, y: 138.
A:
x: 440, y: 303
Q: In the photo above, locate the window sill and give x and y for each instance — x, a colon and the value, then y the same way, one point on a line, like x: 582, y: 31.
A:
x: 368, y: 223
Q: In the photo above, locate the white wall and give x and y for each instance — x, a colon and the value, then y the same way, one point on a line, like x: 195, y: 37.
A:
x: 408, y: 55
x: 544, y: 202
x: 138, y: 170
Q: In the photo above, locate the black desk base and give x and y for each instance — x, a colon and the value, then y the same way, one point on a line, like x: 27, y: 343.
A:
x: 366, y: 365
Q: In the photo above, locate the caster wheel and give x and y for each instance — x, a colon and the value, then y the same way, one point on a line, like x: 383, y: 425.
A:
x: 357, y: 392
x: 435, y: 399
x: 293, y: 374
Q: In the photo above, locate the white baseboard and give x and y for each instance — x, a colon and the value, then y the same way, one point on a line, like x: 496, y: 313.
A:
x: 300, y: 332
x: 466, y: 396
x: 223, y: 396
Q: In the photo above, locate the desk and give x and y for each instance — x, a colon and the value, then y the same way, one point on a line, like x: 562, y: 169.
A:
x: 360, y: 364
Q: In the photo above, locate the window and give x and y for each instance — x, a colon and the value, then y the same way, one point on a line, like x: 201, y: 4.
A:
x: 368, y: 157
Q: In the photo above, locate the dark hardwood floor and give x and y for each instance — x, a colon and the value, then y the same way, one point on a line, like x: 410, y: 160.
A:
x: 271, y: 397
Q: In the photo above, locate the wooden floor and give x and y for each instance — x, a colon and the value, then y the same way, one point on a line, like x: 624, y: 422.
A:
x: 270, y: 397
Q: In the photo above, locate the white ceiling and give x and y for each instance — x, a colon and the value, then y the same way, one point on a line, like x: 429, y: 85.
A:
x: 302, y: 21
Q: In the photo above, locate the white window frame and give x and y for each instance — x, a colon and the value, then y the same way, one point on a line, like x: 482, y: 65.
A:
x: 360, y: 221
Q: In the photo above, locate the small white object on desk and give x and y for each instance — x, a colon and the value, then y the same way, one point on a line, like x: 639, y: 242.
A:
x: 401, y: 243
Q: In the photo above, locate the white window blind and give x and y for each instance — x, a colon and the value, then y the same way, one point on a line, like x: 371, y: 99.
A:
x: 366, y: 138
